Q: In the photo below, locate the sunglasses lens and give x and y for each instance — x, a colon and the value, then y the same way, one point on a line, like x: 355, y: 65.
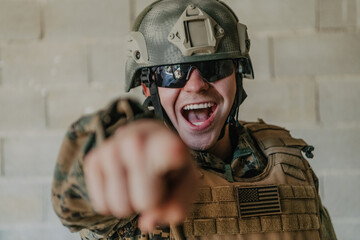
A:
x: 175, y: 76
x: 170, y: 76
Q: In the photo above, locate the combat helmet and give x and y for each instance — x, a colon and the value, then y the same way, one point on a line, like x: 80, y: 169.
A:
x: 186, y: 31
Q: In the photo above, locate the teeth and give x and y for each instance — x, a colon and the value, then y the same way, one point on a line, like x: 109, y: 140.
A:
x: 198, y: 106
x: 198, y: 123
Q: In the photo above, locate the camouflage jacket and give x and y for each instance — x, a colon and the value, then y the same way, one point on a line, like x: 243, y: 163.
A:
x: 69, y: 195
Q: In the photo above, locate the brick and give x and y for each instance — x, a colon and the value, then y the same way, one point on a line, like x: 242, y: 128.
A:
x: 339, y: 100
x: 342, y: 194
x: 44, y: 63
x: 81, y: 100
x: 19, y: 20
x: 276, y: 15
x: 321, y: 54
x: 332, y: 13
x: 260, y: 56
x: 107, y: 62
x: 37, y: 156
x: 39, y: 232
x: 21, y: 202
x: 337, y: 14
x: 94, y: 19
x: 140, y: 5
x: 24, y: 109
x: 49, y: 213
x: 279, y: 102
x: 334, y: 148
x: 346, y: 229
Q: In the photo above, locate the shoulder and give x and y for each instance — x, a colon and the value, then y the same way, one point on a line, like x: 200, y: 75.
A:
x: 272, y: 138
x: 106, y: 120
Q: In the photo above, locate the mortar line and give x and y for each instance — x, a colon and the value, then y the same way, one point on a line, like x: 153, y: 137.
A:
x: 46, y: 111
x: 44, y: 207
x: 272, y: 57
x: 317, y: 103
x: 317, y: 15
x: 42, y: 19
x: 132, y: 9
x: 89, y: 69
x: 2, y: 160
x: 2, y: 47
x: 351, y: 9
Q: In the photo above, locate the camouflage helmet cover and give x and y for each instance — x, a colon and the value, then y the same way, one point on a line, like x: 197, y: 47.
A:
x: 173, y: 31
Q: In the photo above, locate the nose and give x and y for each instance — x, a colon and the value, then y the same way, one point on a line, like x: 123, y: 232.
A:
x: 195, y: 82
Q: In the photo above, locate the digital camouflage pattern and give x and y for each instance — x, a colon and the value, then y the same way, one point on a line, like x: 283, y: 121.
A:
x: 69, y: 195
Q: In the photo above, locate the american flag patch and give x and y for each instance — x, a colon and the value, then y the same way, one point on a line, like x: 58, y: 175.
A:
x: 258, y: 201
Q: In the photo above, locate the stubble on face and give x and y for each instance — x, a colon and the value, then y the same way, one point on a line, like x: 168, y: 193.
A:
x: 199, y: 110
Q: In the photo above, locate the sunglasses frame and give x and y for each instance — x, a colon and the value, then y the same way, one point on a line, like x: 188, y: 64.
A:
x: 181, y: 82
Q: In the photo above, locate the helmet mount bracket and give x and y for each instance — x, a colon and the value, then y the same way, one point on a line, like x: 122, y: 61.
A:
x: 136, y: 45
x: 196, y: 32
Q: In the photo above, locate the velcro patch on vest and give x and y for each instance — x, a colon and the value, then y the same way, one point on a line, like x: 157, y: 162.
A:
x: 258, y: 201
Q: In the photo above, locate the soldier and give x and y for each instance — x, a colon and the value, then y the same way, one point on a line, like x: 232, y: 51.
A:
x: 130, y: 173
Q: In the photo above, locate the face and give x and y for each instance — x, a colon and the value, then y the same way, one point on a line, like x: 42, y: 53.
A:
x: 199, y: 110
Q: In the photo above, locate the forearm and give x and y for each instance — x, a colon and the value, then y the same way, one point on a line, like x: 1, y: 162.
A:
x: 69, y: 193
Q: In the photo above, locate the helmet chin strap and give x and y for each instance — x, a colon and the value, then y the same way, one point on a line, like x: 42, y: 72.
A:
x: 240, y: 96
x: 154, y: 99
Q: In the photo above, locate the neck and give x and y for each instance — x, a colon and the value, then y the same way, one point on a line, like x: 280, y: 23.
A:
x: 222, y: 148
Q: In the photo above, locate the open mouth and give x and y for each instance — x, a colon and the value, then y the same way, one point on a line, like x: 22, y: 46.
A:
x: 198, y: 114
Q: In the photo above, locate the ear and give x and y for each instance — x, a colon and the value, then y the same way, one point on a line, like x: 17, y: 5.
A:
x: 146, y: 90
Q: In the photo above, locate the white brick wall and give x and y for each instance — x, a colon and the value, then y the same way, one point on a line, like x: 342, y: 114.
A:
x: 276, y: 15
x: 318, y: 54
x: 347, y: 228
x: 60, y: 59
x: 261, y: 57
x: 96, y: 19
x: 19, y: 20
x: 21, y: 108
x: 281, y: 102
x: 1, y: 158
x: 107, y: 61
x: 342, y: 195
x: 335, y: 93
x: 21, y: 202
x: 38, y: 232
x: 82, y: 100
x: 44, y: 64
x: 337, y: 13
x: 139, y: 5
x: 358, y: 11
x: 38, y: 153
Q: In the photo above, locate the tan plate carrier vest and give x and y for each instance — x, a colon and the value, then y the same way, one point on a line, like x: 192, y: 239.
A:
x: 280, y: 203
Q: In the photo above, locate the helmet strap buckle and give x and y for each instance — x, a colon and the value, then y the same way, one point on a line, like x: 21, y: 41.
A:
x: 145, y: 77
x: 154, y: 94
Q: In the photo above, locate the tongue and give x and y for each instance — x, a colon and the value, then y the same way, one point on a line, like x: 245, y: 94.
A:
x: 199, y: 115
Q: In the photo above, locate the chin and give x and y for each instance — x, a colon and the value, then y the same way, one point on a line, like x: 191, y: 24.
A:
x: 200, y: 143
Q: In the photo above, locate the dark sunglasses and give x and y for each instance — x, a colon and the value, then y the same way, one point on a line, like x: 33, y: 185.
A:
x: 176, y: 75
